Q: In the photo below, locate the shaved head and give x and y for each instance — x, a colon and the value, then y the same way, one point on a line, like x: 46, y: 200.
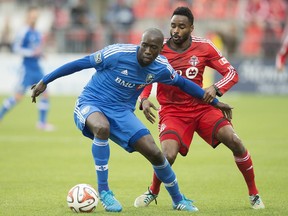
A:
x: 150, y: 47
x: 154, y: 33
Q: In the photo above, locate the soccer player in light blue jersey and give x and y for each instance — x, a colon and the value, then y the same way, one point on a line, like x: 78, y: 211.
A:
x: 28, y: 44
x: 105, y: 108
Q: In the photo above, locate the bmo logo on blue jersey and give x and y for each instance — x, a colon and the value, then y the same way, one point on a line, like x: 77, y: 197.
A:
x: 124, y: 83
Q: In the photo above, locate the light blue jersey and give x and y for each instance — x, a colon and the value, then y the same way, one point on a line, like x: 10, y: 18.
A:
x: 28, y: 46
x: 27, y: 41
x: 120, y: 79
x: 114, y: 90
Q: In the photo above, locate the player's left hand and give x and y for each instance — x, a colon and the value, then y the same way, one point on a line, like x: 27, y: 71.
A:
x: 226, y: 110
x: 37, y: 89
x: 210, y: 94
x: 147, y: 105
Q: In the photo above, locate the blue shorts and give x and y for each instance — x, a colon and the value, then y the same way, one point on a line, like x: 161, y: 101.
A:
x: 29, y: 76
x: 125, y: 127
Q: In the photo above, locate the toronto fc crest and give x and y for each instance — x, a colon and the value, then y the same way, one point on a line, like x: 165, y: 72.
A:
x: 194, y: 60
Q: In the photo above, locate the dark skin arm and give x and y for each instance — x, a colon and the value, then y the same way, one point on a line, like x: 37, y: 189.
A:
x: 210, y: 94
x: 226, y: 110
x: 147, y: 105
x: 37, y: 89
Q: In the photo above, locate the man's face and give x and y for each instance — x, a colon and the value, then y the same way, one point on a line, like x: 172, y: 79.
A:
x: 32, y: 17
x: 150, y: 47
x: 181, y: 29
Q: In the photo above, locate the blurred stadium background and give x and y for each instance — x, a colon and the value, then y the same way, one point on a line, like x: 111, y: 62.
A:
x: 248, y: 32
x: 38, y: 168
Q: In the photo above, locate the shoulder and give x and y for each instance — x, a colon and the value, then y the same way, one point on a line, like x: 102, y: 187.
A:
x: 118, y: 49
x: 162, y: 60
x: 112, y: 53
x: 205, y: 44
x: 163, y: 63
x: 201, y: 40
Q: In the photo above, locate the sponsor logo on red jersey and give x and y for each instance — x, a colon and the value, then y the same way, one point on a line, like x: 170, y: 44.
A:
x: 223, y: 61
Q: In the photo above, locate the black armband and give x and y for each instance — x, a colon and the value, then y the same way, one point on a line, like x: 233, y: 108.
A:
x: 218, y: 93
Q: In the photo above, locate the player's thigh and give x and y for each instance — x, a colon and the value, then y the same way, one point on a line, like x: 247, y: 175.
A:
x: 125, y: 128
x: 148, y: 148
x: 225, y: 134
x: 170, y: 149
x: 177, y: 130
x: 209, y: 124
x: 181, y: 127
x: 81, y: 113
x: 229, y: 138
x: 98, y: 124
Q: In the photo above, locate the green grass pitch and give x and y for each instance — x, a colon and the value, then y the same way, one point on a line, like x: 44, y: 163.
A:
x: 38, y: 168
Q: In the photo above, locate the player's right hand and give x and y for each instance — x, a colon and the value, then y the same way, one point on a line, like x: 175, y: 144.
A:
x: 226, y: 110
x: 210, y: 94
x: 37, y: 89
x: 146, y: 105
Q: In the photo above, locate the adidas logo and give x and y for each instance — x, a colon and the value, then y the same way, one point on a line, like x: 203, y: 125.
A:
x: 125, y: 72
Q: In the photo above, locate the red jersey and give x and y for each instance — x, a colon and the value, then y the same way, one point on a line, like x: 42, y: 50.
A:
x: 191, y: 64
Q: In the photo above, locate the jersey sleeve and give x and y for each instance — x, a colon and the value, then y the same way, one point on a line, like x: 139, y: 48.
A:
x: 67, y: 69
x: 97, y: 59
x: 192, y: 88
x: 104, y: 58
x: 219, y: 63
x: 146, y: 92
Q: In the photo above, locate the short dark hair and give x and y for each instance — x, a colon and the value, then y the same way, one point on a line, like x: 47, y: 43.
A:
x: 184, y: 11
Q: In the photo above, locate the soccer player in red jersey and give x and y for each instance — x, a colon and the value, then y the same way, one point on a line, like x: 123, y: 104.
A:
x: 180, y: 115
x: 282, y: 54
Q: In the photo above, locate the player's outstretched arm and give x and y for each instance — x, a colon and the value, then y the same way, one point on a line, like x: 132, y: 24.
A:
x: 64, y: 70
x: 37, y: 89
x: 196, y: 91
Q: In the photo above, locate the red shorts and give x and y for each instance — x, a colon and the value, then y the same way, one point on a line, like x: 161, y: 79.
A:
x: 206, y: 120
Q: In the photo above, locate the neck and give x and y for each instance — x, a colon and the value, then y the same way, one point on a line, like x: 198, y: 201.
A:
x: 180, y: 47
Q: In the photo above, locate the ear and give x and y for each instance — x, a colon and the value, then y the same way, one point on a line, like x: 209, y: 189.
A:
x: 192, y: 28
